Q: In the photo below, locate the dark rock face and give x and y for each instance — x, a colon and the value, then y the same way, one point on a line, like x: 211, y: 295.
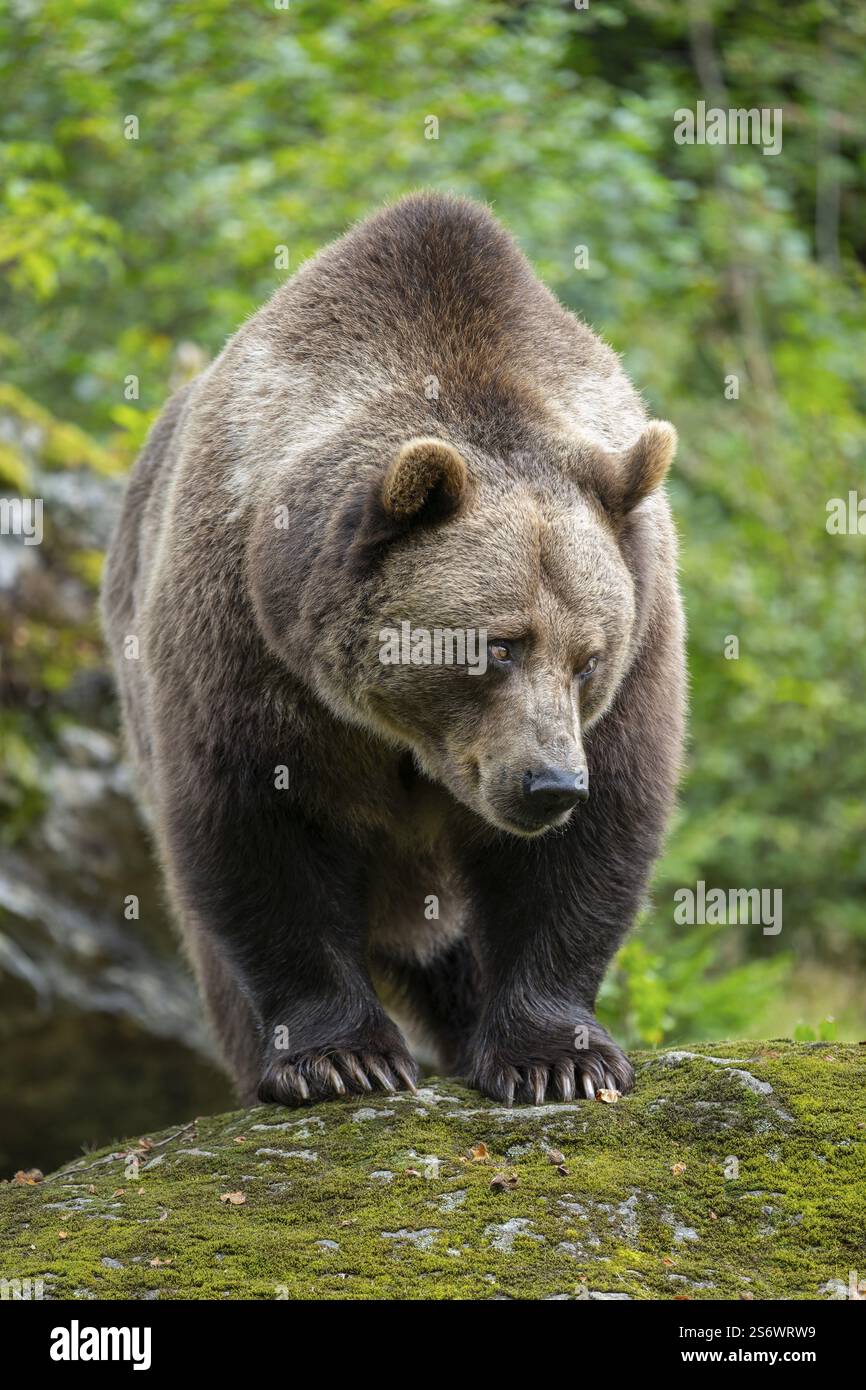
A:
x: 100, y: 1027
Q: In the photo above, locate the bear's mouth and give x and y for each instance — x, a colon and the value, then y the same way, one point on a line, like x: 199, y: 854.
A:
x: 530, y: 827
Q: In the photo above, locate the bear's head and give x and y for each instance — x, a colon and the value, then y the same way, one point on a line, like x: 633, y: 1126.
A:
x: 504, y: 606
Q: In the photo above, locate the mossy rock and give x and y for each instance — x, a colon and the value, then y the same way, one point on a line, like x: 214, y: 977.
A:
x: 735, y: 1170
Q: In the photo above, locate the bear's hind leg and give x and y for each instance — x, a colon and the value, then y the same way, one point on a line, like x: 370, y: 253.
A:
x: 440, y: 995
x: 231, y: 1019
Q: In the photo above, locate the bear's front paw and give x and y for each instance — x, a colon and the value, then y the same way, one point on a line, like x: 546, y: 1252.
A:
x: 317, y: 1076
x: 565, y: 1068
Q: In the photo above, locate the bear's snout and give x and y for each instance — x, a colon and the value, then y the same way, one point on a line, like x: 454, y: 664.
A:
x: 541, y: 797
x: 552, y: 790
x: 548, y: 792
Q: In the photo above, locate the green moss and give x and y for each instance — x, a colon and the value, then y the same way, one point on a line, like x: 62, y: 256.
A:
x: 381, y: 1197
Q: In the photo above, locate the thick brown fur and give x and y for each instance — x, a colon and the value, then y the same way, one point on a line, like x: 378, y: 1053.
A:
x: 411, y: 430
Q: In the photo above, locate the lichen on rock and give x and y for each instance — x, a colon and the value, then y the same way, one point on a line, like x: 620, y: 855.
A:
x: 734, y: 1170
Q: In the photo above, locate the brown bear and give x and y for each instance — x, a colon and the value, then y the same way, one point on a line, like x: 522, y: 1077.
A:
x: 411, y: 438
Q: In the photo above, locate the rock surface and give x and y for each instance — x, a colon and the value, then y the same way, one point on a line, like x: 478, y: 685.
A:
x: 93, y: 990
x: 736, y: 1170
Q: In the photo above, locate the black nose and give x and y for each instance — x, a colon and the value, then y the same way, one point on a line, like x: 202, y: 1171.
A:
x: 552, y: 790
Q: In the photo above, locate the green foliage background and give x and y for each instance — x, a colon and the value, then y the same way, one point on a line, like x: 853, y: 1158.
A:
x: 261, y: 126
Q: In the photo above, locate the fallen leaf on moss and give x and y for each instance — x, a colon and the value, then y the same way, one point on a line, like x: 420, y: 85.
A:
x: 234, y: 1199
x: 156, y: 1262
x: 480, y: 1152
x: 677, y: 1169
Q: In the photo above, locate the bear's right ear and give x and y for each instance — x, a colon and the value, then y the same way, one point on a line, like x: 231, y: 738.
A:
x: 425, y: 482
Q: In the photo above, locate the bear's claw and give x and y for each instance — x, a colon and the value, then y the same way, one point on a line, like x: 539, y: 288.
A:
x: 315, y: 1077
x: 602, y: 1068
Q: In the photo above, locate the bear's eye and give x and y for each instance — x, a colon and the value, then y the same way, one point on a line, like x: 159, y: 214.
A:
x: 500, y: 651
x: 588, y: 669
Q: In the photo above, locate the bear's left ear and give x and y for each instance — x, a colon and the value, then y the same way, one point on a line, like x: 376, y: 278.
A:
x: 628, y: 477
x: 426, y: 481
